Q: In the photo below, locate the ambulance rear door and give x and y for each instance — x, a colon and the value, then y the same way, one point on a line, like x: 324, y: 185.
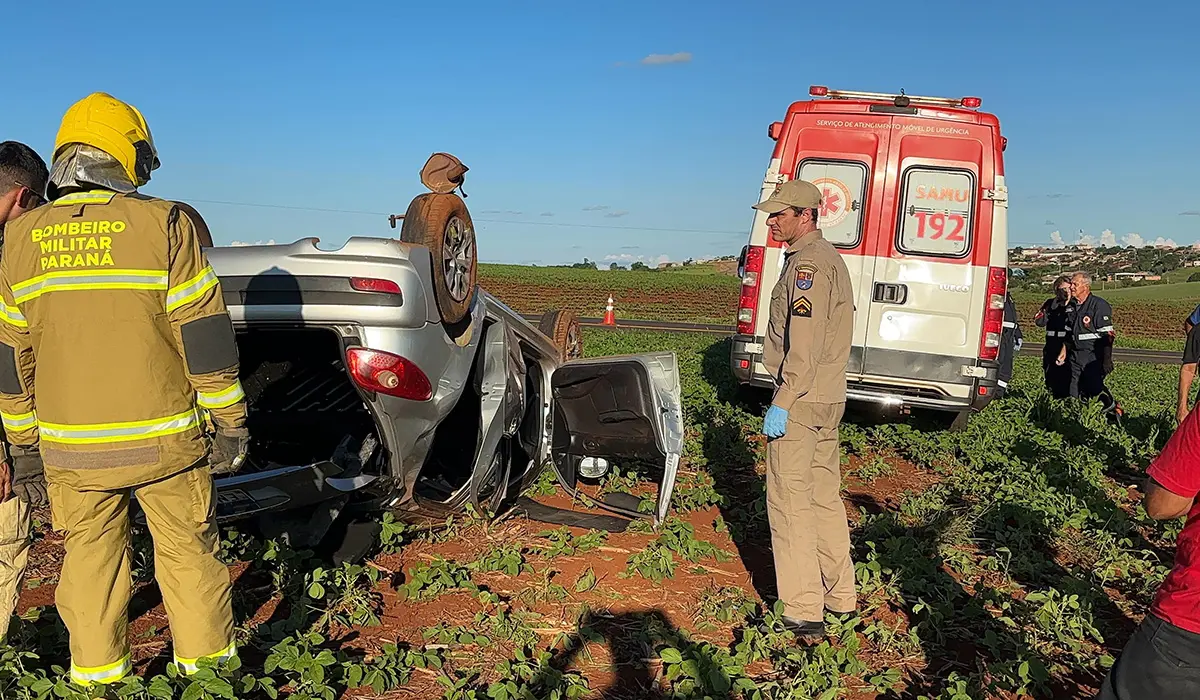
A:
x: 845, y: 156
x: 925, y: 303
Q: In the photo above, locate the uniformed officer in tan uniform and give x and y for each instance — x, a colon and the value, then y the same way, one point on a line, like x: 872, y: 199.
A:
x: 807, y: 349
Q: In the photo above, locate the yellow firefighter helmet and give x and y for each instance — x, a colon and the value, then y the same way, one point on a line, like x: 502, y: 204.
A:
x: 115, y: 127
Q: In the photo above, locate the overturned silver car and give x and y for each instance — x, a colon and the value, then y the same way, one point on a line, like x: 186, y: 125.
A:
x: 380, y: 377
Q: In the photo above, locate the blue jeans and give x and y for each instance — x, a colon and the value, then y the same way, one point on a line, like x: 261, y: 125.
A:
x: 1160, y: 662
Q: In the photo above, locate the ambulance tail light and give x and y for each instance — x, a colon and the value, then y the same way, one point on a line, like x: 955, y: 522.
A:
x: 993, y: 313
x: 375, y: 370
x: 751, y: 281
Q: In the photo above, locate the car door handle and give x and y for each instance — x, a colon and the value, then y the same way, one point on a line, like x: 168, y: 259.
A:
x: 888, y: 293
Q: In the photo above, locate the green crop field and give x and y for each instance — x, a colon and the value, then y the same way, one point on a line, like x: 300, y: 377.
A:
x: 1145, y: 317
x: 1184, y: 291
x: 1008, y: 560
x: 704, y: 297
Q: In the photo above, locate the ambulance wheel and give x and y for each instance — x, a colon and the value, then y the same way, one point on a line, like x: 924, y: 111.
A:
x: 562, y: 327
x: 442, y: 223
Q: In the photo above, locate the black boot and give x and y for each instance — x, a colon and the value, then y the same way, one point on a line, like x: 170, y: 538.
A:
x: 806, y: 631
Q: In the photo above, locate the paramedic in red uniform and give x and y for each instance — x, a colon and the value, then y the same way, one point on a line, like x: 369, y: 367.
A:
x: 807, y: 350
x: 1162, y: 659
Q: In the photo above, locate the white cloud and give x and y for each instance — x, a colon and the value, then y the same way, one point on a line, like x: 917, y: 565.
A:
x: 547, y: 213
x: 631, y: 258
x: 660, y: 59
x: 1107, y: 239
x: 616, y: 214
x: 596, y: 207
x: 1138, y: 241
x: 1086, y: 239
x: 508, y: 212
x: 243, y: 243
x: 1057, y: 238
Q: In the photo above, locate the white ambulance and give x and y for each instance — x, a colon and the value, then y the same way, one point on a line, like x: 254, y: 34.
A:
x: 914, y: 198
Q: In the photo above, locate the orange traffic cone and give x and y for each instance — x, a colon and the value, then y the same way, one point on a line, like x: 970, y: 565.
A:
x: 610, y: 319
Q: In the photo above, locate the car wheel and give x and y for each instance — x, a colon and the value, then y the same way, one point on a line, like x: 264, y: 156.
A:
x: 562, y: 327
x: 442, y: 223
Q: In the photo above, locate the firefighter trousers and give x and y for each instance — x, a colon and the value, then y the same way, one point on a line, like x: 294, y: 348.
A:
x: 15, y: 541
x: 810, y: 536
x: 95, y: 585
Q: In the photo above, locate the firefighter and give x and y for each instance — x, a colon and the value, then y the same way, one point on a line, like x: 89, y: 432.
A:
x: 1010, y: 344
x: 807, y: 350
x: 1057, y: 317
x: 23, y: 177
x: 115, y: 351
x: 1090, y: 343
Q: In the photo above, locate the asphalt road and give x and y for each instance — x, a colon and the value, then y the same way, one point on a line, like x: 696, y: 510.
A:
x: 1120, y: 354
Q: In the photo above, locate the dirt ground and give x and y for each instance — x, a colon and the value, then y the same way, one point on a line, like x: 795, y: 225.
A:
x: 620, y: 612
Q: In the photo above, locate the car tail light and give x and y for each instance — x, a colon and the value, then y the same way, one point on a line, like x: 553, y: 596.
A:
x: 971, y: 102
x: 751, y: 279
x: 389, y: 374
x: 993, y: 313
x: 818, y: 90
x: 374, y: 284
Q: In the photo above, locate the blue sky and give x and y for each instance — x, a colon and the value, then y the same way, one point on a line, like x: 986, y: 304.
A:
x: 578, y: 148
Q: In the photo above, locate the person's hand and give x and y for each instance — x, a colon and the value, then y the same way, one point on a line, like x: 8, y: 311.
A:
x: 28, y: 479
x: 775, y: 424
x: 5, y: 481
x: 229, y: 450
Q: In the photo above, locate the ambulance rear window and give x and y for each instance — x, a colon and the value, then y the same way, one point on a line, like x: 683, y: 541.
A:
x: 842, y: 185
x: 937, y: 218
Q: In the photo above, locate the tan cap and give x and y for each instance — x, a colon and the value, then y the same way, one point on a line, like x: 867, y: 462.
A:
x: 793, y: 193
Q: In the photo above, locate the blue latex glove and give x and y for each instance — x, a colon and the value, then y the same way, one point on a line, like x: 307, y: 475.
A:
x: 775, y: 424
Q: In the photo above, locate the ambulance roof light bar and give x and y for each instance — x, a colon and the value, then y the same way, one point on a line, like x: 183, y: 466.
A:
x: 900, y: 100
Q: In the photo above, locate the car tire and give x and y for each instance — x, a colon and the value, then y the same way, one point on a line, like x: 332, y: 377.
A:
x: 562, y: 327
x: 442, y: 223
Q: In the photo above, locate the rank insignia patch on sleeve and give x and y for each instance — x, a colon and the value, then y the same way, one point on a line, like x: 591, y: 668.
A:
x: 802, y: 307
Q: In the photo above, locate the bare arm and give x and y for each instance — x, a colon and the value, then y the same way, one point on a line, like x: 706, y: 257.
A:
x: 1187, y: 372
x: 1161, y: 504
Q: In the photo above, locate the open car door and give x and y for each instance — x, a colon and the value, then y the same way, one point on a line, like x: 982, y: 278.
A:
x: 622, y: 411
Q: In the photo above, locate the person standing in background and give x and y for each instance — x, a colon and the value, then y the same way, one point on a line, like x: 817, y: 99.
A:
x: 1187, y: 367
x: 1057, y: 317
x: 23, y: 180
x: 1010, y: 344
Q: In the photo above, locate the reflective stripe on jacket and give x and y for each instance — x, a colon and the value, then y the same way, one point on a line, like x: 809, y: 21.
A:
x: 114, y: 340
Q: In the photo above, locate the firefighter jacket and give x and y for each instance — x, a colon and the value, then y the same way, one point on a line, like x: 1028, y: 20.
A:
x: 115, y: 343
x: 811, y: 321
